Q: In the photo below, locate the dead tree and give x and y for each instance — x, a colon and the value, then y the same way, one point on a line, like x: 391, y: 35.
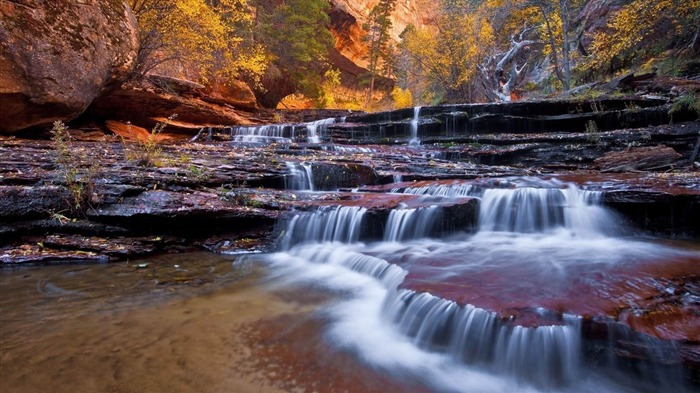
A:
x: 497, y: 82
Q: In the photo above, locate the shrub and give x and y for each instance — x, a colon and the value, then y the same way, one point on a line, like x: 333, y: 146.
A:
x: 76, y: 170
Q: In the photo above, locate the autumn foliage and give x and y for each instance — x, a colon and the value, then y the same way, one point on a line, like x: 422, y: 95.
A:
x: 465, y: 51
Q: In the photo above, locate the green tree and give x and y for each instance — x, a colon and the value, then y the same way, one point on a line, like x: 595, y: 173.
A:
x: 378, y: 39
x: 296, y: 34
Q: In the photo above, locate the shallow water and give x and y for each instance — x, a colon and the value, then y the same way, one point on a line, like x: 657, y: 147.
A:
x: 397, y: 336
x: 500, y: 310
x: 186, y: 323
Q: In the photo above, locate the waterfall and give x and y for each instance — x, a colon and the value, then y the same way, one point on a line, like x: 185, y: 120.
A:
x: 341, y: 255
x: 530, y: 210
x: 300, y: 176
x: 346, y: 149
x: 404, y: 224
x: 330, y: 224
x: 315, y: 127
x: 263, y: 134
x: 544, y: 355
x: 523, y: 210
x: 451, y: 190
x: 544, y: 207
x: 414, y: 128
x: 480, y: 312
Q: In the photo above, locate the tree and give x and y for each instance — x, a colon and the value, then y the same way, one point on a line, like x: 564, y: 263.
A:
x: 555, y: 30
x: 447, y: 54
x: 378, y: 38
x: 210, y: 35
x: 499, y: 84
x: 642, y: 29
x: 297, y: 36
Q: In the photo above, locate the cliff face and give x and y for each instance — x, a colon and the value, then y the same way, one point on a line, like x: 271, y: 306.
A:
x: 348, y: 16
x: 57, y: 56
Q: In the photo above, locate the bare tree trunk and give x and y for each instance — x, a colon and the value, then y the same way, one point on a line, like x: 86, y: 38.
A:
x: 552, y: 44
x: 564, y: 10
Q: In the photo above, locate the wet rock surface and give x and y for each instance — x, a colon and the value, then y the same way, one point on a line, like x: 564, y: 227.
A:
x: 195, y: 191
x: 228, y: 196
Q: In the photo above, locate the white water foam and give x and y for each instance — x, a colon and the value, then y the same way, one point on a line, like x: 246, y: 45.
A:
x: 332, y: 224
x: 315, y: 127
x: 453, y: 348
x: 274, y: 133
x: 300, y: 176
x: 404, y: 224
x: 359, y: 324
x: 415, y: 142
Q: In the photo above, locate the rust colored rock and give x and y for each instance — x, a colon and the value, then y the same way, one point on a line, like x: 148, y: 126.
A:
x: 127, y: 131
x: 145, y: 104
x: 638, y: 158
x: 594, y: 19
x: 234, y: 93
x: 57, y: 56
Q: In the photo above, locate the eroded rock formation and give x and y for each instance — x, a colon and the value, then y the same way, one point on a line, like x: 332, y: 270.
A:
x: 57, y: 56
x: 146, y: 102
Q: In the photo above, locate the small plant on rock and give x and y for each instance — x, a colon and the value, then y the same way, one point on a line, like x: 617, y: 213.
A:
x: 147, y: 152
x: 76, y: 171
x: 593, y: 134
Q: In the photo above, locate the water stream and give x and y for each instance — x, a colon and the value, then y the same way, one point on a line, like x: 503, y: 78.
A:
x: 495, y: 311
x: 415, y: 141
x: 499, y: 310
x: 300, y: 176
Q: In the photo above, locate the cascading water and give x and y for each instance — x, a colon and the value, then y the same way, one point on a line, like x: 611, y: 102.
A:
x: 404, y: 224
x: 336, y: 224
x: 439, y: 309
x: 453, y: 190
x: 300, y: 176
x: 528, y: 210
x: 545, y: 355
x: 279, y: 133
x: 315, y: 127
x: 345, y: 149
x: 414, y: 128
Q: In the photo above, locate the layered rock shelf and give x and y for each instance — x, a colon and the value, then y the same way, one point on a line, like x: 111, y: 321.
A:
x: 199, y: 191
x: 233, y: 190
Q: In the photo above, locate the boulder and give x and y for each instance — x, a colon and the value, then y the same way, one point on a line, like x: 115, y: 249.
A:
x: 235, y: 93
x: 145, y: 103
x: 57, y: 56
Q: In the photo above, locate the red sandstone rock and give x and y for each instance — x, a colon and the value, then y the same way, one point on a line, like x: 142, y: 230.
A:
x: 144, y: 104
x: 57, y: 56
x: 127, y: 131
x: 234, y: 93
